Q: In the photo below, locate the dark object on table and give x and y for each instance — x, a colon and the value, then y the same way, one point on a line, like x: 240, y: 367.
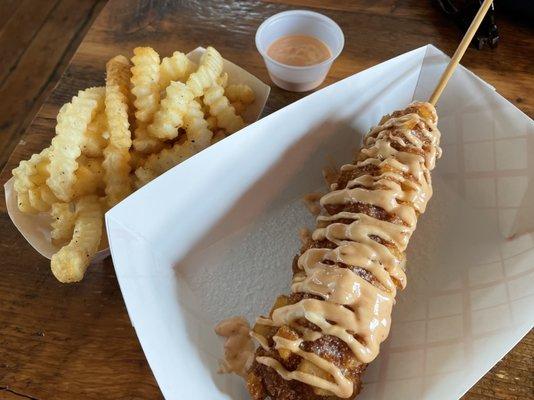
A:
x: 521, y: 9
x: 463, y: 12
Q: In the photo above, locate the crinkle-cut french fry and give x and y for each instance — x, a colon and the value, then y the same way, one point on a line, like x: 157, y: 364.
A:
x: 143, y: 142
x: 27, y: 171
x: 47, y: 195
x: 117, y: 153
x: 41, y: 168
x: 70, y: 263
x: 205, y: 108
x: 221, y: 108
x: 169, y: 117
x: 222, y: 80
x: 211, y: 65
x: 118, y: 185
x: 136, y: 159
x: 95, y: 136
x: 23, y: 203
x: 145, y: 82
x: 118, y: 73
x: 240, y: 92
x: 239, y: 107
x: 104, y: 242
x: 175, y: 68
x: 41, y: 198
x: 89, y: 177
x: 218, y: 136
x: 63, y: 218
x: 30, y: 177
x: 196, y: 126
x: 30, y: 184
x: 72, y: 122
x: 143, y: 176
x: 212, y: 123
x: 36, y: 201
x: 157, y: 164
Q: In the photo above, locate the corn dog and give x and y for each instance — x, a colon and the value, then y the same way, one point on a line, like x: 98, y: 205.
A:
x: 316, y: 342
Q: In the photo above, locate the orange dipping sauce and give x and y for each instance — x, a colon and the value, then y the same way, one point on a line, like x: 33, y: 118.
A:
x: 299, y: 50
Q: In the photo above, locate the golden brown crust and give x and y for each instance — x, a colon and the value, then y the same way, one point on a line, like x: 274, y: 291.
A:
x: 264, y: 382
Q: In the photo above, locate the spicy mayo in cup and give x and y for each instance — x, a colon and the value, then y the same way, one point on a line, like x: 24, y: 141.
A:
x: 298, y: 48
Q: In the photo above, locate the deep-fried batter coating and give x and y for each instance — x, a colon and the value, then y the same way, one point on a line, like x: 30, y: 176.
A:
x: 266, y: 382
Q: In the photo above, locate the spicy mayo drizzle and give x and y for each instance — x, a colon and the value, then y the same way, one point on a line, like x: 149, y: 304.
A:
x: 350, y: 307
x: 238, y: 347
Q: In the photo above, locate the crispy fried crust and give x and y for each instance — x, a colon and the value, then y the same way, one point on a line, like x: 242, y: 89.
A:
x: 264, y: 382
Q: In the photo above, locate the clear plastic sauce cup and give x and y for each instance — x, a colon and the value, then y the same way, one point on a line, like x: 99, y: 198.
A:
x: 299, y: 22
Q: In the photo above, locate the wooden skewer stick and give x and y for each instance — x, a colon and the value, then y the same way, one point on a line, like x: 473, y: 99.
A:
x: 464, y: 44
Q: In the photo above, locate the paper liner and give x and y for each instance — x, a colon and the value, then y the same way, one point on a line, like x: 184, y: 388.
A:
x: 223, y: 229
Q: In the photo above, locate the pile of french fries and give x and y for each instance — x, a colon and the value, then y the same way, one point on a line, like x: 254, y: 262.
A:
x: 151, y: 115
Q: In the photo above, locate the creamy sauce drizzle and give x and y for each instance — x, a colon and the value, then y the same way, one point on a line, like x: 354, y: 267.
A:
x: 351, y: 308
x: 238, y: 347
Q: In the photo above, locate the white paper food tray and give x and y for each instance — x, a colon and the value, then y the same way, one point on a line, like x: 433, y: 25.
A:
x: 36, y: 228
x: 215, y: 236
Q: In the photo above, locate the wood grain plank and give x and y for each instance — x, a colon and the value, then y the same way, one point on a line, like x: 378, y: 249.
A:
x: 8, y: 394
x: 402, y: 8
x: 54, y: 348
x: 76, y: 341
x: 40, y: 66
x: 19, y: 31
x: 511, y: 378
x: 7, y: 9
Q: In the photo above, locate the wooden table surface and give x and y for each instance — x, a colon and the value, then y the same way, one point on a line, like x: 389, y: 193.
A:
x: 75, y: 341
